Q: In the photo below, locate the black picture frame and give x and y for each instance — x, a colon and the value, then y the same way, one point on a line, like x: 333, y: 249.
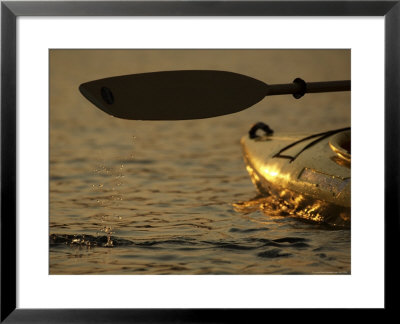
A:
x: 10, y: 10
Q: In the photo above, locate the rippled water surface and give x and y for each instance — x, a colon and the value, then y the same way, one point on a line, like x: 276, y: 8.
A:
x: 174, y: 197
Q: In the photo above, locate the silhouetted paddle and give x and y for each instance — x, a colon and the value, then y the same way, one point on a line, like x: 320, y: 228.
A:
x: 189, y: 94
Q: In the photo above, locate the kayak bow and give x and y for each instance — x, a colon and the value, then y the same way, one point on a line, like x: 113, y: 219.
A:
x: 311, y: 173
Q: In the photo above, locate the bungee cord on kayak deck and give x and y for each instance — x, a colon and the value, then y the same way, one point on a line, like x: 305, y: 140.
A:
x: 320, y: 136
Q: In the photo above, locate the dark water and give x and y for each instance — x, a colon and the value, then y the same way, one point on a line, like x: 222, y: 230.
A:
x: 136, y: 197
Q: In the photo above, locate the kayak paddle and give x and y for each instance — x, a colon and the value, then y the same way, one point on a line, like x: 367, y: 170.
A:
x: 189, y: 94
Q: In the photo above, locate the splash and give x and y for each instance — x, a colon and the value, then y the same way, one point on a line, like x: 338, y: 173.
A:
x: 86, y: 241
x: 286, y: 203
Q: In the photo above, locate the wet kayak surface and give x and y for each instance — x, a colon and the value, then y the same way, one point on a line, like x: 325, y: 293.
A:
x: 174, y: 197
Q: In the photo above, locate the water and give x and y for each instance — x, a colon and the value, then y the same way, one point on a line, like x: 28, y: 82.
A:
x: 174, y: 197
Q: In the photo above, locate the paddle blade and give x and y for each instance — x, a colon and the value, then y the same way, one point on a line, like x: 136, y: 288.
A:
x: 174, y: 95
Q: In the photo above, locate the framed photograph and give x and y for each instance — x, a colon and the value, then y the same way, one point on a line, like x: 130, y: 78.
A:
x: 184, y: 161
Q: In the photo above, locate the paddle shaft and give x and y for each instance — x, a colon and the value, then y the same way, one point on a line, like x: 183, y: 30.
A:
x: 300, y: 87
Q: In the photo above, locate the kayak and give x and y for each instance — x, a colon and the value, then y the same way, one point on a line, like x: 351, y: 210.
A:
x: 311, y: 173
